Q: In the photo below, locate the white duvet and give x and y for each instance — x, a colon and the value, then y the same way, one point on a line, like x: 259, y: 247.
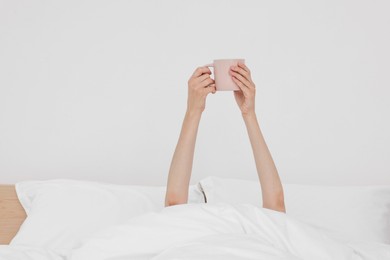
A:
x: 221, y: 231
x: 210, y: 231
x: 27, y: 253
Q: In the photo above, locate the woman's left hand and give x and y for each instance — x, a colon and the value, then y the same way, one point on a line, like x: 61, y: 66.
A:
x: 245, y: 97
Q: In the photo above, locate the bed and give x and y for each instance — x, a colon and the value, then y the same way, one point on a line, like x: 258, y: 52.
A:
x: 56, y: 220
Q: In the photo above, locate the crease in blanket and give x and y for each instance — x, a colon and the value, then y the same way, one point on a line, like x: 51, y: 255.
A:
x: 203, y: 192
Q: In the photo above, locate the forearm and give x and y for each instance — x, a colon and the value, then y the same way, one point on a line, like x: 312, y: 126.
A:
x: 181, y: 165
x: 272, y: 190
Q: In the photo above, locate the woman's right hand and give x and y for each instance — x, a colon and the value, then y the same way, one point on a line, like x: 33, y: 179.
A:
x: 199, y: 86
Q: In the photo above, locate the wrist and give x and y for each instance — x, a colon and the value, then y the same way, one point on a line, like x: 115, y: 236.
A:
x: 249, y: 115
x: 193, y: 113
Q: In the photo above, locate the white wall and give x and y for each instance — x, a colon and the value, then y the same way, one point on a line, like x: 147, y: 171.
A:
x: 97, y: 89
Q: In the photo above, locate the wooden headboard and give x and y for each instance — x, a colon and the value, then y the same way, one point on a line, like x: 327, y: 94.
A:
x: 12, y: 213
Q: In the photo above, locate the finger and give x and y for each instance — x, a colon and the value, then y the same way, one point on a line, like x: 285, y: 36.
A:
x: 210, y: 89
x: 202, y: 77
x: 241, y: 78
x: 240, y: 70
x: 246, y: 74
x: 201, y: 70
x: 206, y: 83
x: 243, y: 88
x: 242, y: 65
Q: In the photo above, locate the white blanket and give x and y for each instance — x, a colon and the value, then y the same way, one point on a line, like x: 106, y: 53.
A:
x: 27, y: 253
x: 221, y: 231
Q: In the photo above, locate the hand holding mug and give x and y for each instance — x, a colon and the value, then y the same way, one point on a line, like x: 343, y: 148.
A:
x: 245, y: 97
x: 200, y: 85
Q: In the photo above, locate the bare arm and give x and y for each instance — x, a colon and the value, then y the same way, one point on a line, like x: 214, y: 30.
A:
x: 181, y: 165
x: 271, y: 186
x: 199, y: 86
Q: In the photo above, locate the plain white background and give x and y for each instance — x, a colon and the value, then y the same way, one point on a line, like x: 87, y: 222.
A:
x: 97, y: 89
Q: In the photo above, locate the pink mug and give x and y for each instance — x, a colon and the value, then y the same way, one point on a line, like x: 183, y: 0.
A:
x: 223, y: 80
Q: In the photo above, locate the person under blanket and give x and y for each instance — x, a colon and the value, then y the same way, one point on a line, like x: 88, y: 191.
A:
x: 200, y: 85
x: 221, y: 230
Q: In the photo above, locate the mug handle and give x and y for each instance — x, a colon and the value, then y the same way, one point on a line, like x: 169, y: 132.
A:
x: 209, y: 65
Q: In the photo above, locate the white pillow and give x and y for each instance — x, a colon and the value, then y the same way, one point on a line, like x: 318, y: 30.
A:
x: 352, y: 213
x: 61, y: 213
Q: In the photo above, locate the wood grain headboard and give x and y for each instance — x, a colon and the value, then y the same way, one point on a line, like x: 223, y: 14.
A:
x: 12, y: 213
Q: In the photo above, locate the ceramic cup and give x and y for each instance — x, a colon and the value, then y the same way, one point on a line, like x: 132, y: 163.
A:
x: 223, y: 80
